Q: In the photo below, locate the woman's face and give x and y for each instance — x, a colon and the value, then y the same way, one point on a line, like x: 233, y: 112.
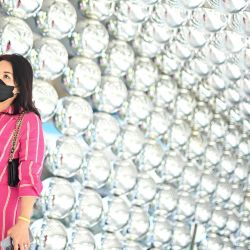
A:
x: 6, y: 75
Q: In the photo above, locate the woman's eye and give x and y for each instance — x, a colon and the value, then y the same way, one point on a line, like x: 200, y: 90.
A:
x: 6, y: 76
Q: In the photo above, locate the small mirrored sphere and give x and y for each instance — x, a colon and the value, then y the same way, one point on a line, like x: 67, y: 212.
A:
x: 157, y: 124
x: 100, y: 10
x: 103, y: 132
x: 137, y: 12
x: 118, y: 58
x: 150, y: 157
x: 181, y: 235
x: 56, y: 19
x: 129, y: 142
x: 47, y: 232
x: 73, y: 115
x: 144, y: 191
x: 15, y: 36
x: 97, y: 169
x: 164, y: 91
x: 143, y: 75
x: 117, y: 215
x: 45, y: 98
x: 22, y: 9
x: 146, y: 48
x: 49, y: 58
x: 137, y: 108
x: 138, y: 225
x: 232, y: 6
x: 124, y: 30
x: 166, y: 200
x: 57, y: 198
x: 162, y: 231
x: 81, y: 77
x: 203, y: 211
x: 111, y: 241
x: 81, y: 238
x: 90, y: 38
x: 111, y: 94
x: 66, y: 158
x: 88, y: 211
x: 125, y: 177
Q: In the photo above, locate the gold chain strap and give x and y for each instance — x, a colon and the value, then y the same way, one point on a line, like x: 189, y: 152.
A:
x: 15, y: 136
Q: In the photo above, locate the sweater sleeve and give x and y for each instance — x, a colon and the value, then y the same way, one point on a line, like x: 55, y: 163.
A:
x: 31, y: 156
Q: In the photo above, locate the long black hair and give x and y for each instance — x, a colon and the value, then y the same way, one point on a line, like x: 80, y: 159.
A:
x: 23, y: 78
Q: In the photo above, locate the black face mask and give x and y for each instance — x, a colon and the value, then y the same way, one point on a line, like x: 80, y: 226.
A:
x: 6, y: 91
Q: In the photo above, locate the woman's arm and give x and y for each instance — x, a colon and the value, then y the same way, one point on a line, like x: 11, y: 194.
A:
x: 19, y: 231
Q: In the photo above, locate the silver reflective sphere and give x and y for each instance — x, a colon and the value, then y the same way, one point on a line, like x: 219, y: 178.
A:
x: 66, y: 158
x: 57, y: 18
x: 118, y: 58
x: 49, y: 58
x: 117, y: 214
x: 81, y: 77
x: 48, y: 233
x: 81, y: 238
x: 57, y: 198
x: 111, y: 241
x: 111, y: 94
x: 150, y: 157
x: 138, y: 225
x: 143, y: 75
x: 22, y: 9
x: 88, y: 210
x: 137, y: 108
x: 73, y: 115
x: 97, y: 169
x: 181, y: 235
x: 164, y: 91
x: 124, y: 177
x: 45, y: 98
x: 103, y: 132
x: 15, y: 36
x: 90, y: 38
x: 123, y: 30
x: 129, y: 142
x: 144, y: 191
x: 157, y: 124
x: 94, y: 9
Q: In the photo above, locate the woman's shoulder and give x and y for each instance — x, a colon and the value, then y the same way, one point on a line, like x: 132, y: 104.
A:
x: 31, y: 117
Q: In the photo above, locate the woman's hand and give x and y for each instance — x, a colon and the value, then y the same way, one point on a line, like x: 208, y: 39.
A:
x: 20, y: 235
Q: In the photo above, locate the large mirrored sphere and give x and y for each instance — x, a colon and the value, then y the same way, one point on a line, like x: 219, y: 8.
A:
x: 57, y: 198
x: 73, y: 115
x: 97, y: 169
x: 94, y: 9
x: 15, y: 36
x: 81, y: 238
x: 143, y: 75
x: 89, y: 209
x: 49, y: 58
x: 56, y: 19
x: 103, y: 132
x: 117, y: 215
x: 81, y: 77
x: 49, y: 232
x: 110, y: 96
x: 129, y: 142
x: 66, y: 158
x: 45, y: 98
x: 22, y: 9
x: 118, y: 58
x: 90, y: 38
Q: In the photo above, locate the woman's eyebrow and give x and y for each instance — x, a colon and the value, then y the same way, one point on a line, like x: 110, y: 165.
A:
x: 6, y: 72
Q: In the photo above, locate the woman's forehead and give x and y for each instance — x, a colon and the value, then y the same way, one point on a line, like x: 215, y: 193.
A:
x: 6, y: 66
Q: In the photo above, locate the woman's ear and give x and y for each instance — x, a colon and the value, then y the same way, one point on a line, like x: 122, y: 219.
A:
x: 16, y: 91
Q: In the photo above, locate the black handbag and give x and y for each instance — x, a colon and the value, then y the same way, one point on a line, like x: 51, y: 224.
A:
x: 13, y: 163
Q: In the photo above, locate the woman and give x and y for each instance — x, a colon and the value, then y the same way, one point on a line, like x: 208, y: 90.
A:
x: 16, y: 203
